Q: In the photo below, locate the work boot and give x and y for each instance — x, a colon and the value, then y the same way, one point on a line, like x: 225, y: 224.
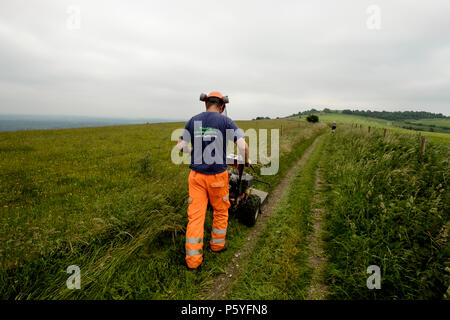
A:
x: 199, y: 268
x: 224, y: 247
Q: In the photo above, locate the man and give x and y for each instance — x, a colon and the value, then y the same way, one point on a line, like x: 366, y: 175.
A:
x: 208, y: 132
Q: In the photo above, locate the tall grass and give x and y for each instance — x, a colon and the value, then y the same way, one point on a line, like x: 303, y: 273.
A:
x: 388, y: 206
x: 111, y: 201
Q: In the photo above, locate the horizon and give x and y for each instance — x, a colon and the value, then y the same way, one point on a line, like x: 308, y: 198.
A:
x: 100, y: 117
x: 82, y: 116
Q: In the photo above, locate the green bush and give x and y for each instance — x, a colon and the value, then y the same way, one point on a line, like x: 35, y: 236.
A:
x: 312, y: 118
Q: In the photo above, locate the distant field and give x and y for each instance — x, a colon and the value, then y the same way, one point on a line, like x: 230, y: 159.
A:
x: 436, y: 122
x: 391, y: 125
x: 432, y: 125
x: 349, y: 118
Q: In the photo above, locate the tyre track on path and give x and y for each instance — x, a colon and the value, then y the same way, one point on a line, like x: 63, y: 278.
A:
x: 223, y: 283
x: 317, y: 260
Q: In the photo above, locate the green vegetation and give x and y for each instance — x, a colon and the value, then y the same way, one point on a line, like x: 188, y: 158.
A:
x: 386, y: 115
x: 410, y: 120
x: 308, y: 112
x: 388, y: 206
x: 110, y: 201
x: 312, y: 118
x: 348, y: 119
x: 395, y: 115
x: 431, y: 125
x: 443, y: 123
x: 340, y: 118
x: 278, y: 267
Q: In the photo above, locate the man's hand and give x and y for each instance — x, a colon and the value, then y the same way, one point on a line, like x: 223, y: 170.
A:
x: 183, y: 146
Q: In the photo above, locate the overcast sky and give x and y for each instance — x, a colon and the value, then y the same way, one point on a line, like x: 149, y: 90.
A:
x: 272, y: 58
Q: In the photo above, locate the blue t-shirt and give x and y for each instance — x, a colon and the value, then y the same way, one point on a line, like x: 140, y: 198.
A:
x: 209, y: 133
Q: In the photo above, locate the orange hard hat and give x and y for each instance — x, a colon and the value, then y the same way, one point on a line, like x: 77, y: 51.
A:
x: 215, y: 94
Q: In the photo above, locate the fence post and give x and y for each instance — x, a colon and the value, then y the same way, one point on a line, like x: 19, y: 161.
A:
x: 422, y: 147
x: 281, y: 133
x: 369, y: 129
x: 384, y: 134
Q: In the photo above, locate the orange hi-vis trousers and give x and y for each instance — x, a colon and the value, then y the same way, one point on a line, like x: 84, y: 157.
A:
x: 204, y: 187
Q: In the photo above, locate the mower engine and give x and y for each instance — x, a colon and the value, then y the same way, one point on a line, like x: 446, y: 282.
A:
x: 239, y: 191
x: 245, y: 201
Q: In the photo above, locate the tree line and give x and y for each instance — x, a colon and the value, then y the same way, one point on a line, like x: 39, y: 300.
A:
x: 386, y: 115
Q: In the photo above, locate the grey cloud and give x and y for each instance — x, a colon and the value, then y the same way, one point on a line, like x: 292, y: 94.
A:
x: 152, y: 59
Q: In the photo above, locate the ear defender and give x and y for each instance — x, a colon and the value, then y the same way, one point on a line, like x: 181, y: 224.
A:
x: 225, y: 100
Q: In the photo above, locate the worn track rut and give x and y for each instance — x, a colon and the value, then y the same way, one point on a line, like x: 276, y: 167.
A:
x: 317, y: 260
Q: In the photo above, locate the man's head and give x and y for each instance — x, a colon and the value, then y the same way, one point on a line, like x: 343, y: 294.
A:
x: 214, y: 101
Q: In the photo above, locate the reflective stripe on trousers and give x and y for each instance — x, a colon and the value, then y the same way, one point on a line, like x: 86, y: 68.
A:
x: 219, y: 231
x: 217, y: 239
x: 194, y: 252
x: 194, y: 240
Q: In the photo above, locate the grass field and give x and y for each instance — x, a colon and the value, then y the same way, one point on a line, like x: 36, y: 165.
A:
x: 430, y: 125
x: 107, y: 199
x: 110, y: 201
x: 436, y: 122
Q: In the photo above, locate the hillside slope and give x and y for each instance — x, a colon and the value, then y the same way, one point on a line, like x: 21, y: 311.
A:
x: 110, y: 201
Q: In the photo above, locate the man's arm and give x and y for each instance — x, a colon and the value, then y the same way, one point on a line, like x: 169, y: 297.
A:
x: 243, y: 149
x: 240, y: 141
x: 185, y: 138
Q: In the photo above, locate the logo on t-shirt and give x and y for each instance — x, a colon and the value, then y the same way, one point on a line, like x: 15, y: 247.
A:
x: 206, y: 132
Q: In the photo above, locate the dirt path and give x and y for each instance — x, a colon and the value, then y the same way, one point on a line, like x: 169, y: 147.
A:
x: 223, y: 283
x: 317, y: 260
